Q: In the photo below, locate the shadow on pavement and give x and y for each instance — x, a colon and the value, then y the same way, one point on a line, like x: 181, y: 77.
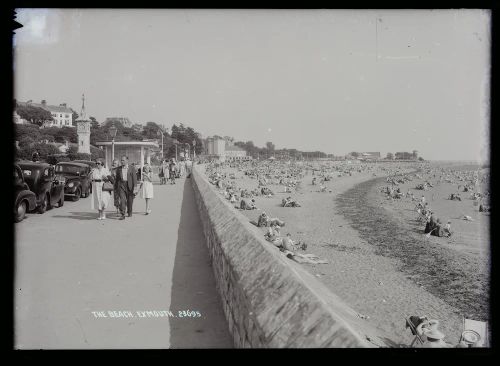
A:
x: 193, y: 286
x: 90, y: 215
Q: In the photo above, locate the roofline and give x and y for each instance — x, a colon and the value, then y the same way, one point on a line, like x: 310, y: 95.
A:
x: 133, y: 143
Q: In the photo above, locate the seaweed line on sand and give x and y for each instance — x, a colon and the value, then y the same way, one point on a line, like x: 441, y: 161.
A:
x: 460, y: 280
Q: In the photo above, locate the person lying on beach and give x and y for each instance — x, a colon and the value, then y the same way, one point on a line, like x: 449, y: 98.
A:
x: 289, y: 202
x: 275, y: 221
x: 246, y: 204
x: 266, y: 191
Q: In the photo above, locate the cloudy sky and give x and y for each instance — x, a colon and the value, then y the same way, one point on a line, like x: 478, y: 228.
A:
x: 329, y: 80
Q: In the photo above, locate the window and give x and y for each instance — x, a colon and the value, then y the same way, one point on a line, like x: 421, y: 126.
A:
x: 60, y: 115
x: 67, y: 116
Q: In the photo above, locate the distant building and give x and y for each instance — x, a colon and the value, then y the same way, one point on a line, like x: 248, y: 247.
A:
x: 17, y: 119
x: 123, y: 120
x: 404, y: 156
x: 62, y: 115
x: 370, y: 155
x: 236, y: 153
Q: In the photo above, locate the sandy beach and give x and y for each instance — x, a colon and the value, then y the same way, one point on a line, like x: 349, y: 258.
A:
x: 379, y: 261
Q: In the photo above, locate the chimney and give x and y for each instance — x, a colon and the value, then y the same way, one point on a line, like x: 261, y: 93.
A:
x: 44, y: 102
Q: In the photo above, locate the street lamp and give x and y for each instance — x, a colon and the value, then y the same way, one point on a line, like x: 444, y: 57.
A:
x: 112, y: 133
x: 161, y: 133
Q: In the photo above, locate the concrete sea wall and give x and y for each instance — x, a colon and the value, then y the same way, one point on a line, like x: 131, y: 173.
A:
x: 268, y: 300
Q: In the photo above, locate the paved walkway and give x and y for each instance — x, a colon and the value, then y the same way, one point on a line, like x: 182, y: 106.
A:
x: 72, y: 269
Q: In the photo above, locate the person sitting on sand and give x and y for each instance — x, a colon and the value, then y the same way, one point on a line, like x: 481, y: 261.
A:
x: 434, y: 339
x: 246, y: 204
x: 263, y: 219
x: 289, y: 202
x: 438, y: 230
x: 447, y: 229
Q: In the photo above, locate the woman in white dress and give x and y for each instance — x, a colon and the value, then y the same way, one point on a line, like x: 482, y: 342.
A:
x: 147, y: 186
x: 100, y: 198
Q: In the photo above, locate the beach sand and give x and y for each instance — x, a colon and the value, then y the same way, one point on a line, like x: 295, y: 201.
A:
x: 383, y: 273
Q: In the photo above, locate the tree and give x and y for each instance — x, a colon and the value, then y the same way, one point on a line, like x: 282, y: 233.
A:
x: 420, y: 158
x: 94, y: 123
x: 35, y: 115
x: 150, y: 130
x: 354, y: 154
x: 390, y: 156
x: 74, y: 114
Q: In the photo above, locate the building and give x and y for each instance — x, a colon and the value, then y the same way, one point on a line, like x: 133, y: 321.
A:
x: 62, y: 115
x: 234, y: 153
x: 404, y: 156
x: 138, y: 152
x: 370, y: 155
x: 215, y: 148
x: 17, y: 119
x: 123, y: 120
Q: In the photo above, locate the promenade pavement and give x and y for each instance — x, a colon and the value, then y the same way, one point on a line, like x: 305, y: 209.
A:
x: 81, y: 283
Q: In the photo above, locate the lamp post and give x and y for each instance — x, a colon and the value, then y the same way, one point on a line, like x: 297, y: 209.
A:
x: 112, y: 133
x: 161, y: 133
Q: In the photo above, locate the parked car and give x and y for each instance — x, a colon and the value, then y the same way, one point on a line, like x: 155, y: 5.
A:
x: 42, y: 181
x: 25, y: 200
x: 76, y: 176
x: 90, y: 163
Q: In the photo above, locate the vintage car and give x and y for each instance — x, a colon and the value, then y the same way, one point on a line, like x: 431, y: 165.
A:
x: 77, y: 180
x: 42, y: 181
x: 24, y: 199
x: 90, y: 163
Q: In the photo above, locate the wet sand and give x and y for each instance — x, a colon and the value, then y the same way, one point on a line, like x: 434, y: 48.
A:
x: 380, y: 263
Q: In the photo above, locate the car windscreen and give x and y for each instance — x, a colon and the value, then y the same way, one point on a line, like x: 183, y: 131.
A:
x: 69, y: 169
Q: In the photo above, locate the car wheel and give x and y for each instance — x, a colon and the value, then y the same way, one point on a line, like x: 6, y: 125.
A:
x: 43, y: 206
x: 61, y: 201
x: 78, y: 194
x: 20, y: 211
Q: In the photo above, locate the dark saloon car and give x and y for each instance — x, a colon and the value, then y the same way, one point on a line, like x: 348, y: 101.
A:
x: 42, y: 181
x: 25, y: 200
x: 90, y: 163
x: 77, y: 179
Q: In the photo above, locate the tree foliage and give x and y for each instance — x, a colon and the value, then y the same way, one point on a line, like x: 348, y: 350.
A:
x: 35, y: 115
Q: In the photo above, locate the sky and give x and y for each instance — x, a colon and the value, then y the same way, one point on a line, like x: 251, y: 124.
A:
x: 330, y: 80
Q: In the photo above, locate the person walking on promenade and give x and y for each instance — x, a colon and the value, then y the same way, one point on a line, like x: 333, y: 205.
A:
x: 147, y: 186
x: 116, y: 195
x: 126, y: 180
x: 163, y: 172
x: 100, y: 197
x: 173, y: 170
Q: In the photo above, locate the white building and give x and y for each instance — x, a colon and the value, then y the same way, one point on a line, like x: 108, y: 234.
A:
x: 216, y: 148
x: 236, y: 153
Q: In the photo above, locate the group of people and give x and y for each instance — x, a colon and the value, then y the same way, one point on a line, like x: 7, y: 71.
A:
x: 171, y: 169
x: 121, y: 182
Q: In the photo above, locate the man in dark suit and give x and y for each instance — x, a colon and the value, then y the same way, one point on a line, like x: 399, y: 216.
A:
x: 126, y: 180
